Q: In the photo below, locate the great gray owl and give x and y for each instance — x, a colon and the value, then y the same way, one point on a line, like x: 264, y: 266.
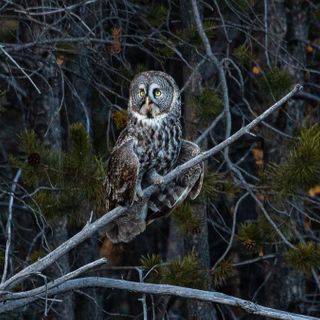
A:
x: 148, y: 148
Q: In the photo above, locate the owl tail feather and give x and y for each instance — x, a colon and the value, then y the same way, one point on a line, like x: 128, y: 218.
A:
x: 128, y: 225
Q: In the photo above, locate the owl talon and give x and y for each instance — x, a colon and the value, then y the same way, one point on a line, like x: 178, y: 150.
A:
x: 155, y: 177
x: 158, y: 181
x: 139, y: 193
x: 138, y: 196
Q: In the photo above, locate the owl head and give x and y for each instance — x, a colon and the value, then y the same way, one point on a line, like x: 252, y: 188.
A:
x: 154, y: 95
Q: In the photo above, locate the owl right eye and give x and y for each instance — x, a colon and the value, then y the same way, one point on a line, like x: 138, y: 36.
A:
x: 141, y: 93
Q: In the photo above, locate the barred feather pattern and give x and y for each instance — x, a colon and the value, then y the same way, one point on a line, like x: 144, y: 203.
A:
x: 157, y: 144
x: 149, y: 143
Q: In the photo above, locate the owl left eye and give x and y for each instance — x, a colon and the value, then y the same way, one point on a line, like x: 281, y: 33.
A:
x: 157, y: 92
x: 141, y: 93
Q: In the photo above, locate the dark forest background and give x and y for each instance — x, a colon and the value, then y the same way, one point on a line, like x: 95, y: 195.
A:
x: 254, y: 232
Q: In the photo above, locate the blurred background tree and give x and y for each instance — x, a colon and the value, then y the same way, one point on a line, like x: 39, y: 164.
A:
x: 65, y: 68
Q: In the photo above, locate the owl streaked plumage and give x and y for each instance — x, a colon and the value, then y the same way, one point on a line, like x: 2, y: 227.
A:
x: 148, y: 148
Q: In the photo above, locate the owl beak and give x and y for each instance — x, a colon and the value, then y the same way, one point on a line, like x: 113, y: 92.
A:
x: 148, y: 103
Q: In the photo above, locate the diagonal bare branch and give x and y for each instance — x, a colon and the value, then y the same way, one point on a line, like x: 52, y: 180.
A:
x: 90, y: 229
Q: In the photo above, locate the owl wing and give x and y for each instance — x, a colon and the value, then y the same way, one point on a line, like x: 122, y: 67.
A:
x: 163, y: 202
x: 123, y: 170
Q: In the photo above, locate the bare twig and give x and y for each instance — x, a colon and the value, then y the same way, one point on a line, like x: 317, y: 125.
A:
x: 9, y: 225
x: 144, y: 297
x: 18, y: 66
x: 233, y: 231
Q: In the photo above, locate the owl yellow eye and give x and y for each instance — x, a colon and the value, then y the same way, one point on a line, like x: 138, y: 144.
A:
x: 157, y: 92
x: 141, y: 93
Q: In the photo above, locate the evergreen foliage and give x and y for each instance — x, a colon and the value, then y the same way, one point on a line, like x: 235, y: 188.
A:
x: 64, y: 181
x: 120, y: 119
x: 152, y: 263
x: 222, y: 272
x: 166, y: 50
x: 245, y: 4
x: 257, y: 235
x: 230, y: 189
x: 250, y: 237
x: 212, y: 185
x: 185, y: 272
x: 208, y: 105
x: 187, y: 220
x: 243, y: 54
x: 156, y: 14
x: 274, y: 84
x: 191, y: 36
x: 301, y: 170
x: 36, y: 255
x: 8, y: 29
x: 304, y: 257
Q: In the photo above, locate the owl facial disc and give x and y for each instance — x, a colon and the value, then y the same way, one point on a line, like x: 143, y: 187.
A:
x: 153, y: 96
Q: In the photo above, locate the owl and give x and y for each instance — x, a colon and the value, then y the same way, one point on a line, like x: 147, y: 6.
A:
x: 148, y: 148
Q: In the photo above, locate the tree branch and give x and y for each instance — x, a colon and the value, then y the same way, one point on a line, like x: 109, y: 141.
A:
x: 160, y: 289
x: 90, y: 229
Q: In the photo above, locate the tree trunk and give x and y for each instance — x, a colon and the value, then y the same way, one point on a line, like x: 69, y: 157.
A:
x: 43, y: 115
x: 197, y: 241
x: 289, y: 23
x: 88, y: 304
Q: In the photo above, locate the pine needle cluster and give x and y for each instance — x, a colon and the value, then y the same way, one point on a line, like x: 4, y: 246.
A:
x: 36, y: 255
x: 304, y: 257
x: 166, y: 50
x: 255, y: 236
x: 250, y: 237
x: 64, y: 182
x: 156, y: 14
x: 222, y: 272
x: 215, y: 184
x: 274, y: 83
x: 212, y: 185
x: 301, y: 170
x: 245, y: 5
x: 185, y: 272
x: 8, y: 29
x: 191, y: 36
x: 187, y: 220
x: 208, y: 105
x: 243, y: 55
x: 153, y: 265
x: 120, y: 119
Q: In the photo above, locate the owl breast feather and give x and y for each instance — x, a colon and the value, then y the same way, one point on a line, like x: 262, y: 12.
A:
x: 157, y: 147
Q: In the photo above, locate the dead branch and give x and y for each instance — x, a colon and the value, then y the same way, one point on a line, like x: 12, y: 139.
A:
x: 159, y: 289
